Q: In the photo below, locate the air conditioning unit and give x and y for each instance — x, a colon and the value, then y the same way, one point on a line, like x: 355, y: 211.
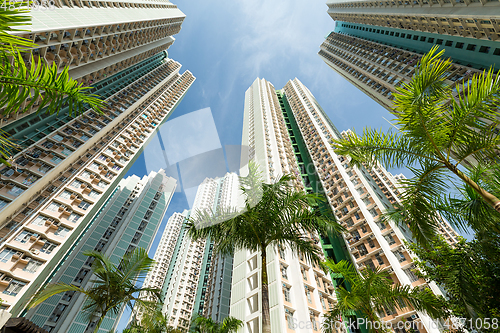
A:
x: 35, y: 252
x: 390, y: 270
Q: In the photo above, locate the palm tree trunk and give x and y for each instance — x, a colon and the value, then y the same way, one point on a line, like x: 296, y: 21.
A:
x: 266, y: 321
x: 488, y: 197
x: 101, y: 318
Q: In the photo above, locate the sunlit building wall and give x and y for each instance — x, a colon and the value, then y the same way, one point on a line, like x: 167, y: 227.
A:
x: 57, y: 184
x: 478, y: 19
x: 97, y: 39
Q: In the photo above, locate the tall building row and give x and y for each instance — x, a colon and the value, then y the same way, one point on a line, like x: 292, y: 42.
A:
x: 299, y: 292
x: 377, y: 45
x: 128, y: 220
x: 97, y: 39
x: 70, y: 169
x: 196, y: 281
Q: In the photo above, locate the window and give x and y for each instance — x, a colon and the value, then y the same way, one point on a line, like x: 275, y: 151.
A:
x: 15, y: 191
x: 389, y: 239
x: 379, y: 259
x: 312, y: 317
x: 39, y: 220
x: 362, y: 249
x: 304, y: 273
x: 62, y: 231
x: 401, y: 257
x: 57, y: 137
x: 422, y: 39
x: 430, y: 40
x: 65, y: 195
x: 284, y: 274
x: 74, y: 217
x: 497, y: 51
x: 439, y: 42
x: 282, y: 253
x: 373, y: 212
x: 308, y: 294
x: 93, y: 194
x: 24, y: 236
x: 56, y: 160
x: 448, y: 43
x: 84, y: 205
x: 411, y: 274
x: 136, y: 238
x: 102, y: 184
x: 471, y: 47
x: 484, y: 49
x: 48, y: 247
x: 459, y: 45
x: 323, y: 303
x: 7, y: 254
x: 286, y: 293
x: 14, y: 287
x: 32, y: 265
x: 54, y: 206
x: 289, y: 319
x: 76, y: 183
x: 66, y: 151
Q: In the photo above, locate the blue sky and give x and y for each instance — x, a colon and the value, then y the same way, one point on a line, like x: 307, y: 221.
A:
x: 227, y: 45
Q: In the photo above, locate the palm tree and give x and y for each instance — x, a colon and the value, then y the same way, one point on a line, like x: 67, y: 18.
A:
x: 436, y: 133
x: 275, y: 215
x: 33, y: 81
x: 208, y: 325
x: 113, y: 288
x: 373, y: 292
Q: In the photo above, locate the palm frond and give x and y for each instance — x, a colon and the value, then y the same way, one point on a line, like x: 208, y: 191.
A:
x: 136, y: 264
x: 7, y: 148
x: 11, y: 18
x: 418, y: 202
x: 392, y: 150
x: 51, y: 290
x: 38, y: 82
x: 344, y: 268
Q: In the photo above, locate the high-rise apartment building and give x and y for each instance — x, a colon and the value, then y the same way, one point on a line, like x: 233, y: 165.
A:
x: 97, y: 39
x: 70, y: 166
x: 300, y: 292
x: 128, y: 220
x: 164, y: 254
x: 377, y: 45
x: 156, y: 277
x: 478, y: 19
x: 189, y: 274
